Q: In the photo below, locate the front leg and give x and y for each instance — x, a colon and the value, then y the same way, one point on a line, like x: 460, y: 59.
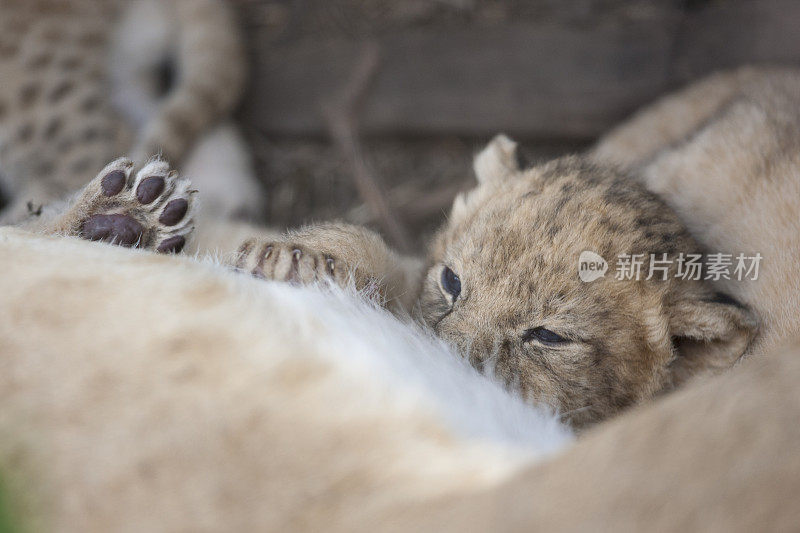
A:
x: 342, y: 254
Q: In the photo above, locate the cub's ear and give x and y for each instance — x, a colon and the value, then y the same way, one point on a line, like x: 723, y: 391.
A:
x: 498, y: 161
x: 709, y: 334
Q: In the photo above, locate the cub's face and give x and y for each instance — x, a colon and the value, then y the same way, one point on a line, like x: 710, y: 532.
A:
x: 503, y: 287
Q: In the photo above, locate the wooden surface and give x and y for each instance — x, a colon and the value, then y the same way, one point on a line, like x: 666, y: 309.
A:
x: 527, y: 79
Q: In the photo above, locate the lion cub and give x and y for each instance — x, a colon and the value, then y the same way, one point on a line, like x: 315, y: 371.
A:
x: 501, y: 281
x: 502, y: 284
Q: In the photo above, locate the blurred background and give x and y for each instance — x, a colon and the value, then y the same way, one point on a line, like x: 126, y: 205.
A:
x: 370, y: 110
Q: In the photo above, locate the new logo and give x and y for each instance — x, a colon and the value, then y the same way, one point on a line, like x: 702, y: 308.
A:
x: 591, y: 266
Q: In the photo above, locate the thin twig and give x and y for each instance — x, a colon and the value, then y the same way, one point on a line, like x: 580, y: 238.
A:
x: 341, y: 117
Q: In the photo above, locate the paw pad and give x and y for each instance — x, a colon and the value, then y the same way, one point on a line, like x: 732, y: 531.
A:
x: 174, y: 212
x: 152, y: 211
x: 149, y: 189
x: 113, y: 182
x: 119, y: 229
x: 172, y: 245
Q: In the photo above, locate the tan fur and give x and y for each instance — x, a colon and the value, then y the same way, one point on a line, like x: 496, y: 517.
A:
x: 215, y: 415
x: 721, y: 157
x: 733, y: 179
x: 720, y: 456
x: 515, y: 244
x: 57, y: 122
x: 314, y: 254
x: 515, y: 240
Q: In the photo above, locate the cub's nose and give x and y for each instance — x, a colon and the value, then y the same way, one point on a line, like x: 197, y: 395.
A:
x: 480, y: 350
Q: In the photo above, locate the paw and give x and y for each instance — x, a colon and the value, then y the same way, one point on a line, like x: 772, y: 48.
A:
x: 153, y: 210
x: 289, y: 262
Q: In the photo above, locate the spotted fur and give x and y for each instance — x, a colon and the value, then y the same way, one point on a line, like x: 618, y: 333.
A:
x: 515, y: 242
x: 60, y: 118
x: 713, y: 168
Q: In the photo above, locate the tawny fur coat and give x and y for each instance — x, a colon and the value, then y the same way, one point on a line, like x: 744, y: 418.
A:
x: 158, y: 393
x: 153, y: 393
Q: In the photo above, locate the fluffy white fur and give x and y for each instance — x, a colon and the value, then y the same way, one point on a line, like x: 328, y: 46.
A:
x: 415, y: 369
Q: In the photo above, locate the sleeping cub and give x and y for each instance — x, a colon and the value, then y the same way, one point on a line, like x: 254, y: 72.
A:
x: 501, y: 279
x: 709, y: 172
x: 502, y: 284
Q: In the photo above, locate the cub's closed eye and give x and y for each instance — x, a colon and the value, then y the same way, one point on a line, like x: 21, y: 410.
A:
x: 451, y: 283
x: 545, y: 336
